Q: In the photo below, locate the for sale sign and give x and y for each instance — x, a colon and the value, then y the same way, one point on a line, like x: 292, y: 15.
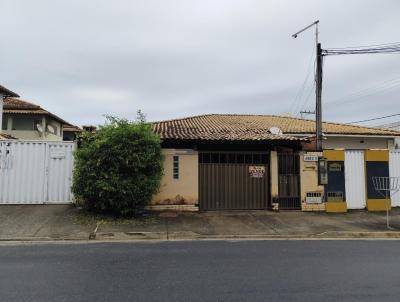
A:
x: 257, y: 171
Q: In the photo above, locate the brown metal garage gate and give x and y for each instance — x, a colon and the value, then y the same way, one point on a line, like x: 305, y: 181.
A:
x: 233, y: 180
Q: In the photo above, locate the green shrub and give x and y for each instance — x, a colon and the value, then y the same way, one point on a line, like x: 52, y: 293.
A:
x: 119, y: 168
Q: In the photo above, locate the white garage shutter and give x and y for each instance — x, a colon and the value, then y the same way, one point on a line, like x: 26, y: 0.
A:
x: 355, y: 179
x: 394, y: 171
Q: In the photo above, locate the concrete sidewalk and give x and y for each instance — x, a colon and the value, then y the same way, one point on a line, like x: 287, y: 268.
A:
x: 65, y: 222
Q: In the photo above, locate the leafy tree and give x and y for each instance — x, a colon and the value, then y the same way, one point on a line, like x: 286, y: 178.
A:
x: 118, y: 168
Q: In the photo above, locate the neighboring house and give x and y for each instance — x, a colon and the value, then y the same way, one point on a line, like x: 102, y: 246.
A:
x: 227, y: 161
x: 4, y: 92
x: 70, y: 132
x: 25, y: 120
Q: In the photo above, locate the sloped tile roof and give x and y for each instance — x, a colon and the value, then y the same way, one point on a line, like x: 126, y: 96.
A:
x: 71, y: 128
x: 14, y: 103
x: 18, y: 106
x: 252, y: 127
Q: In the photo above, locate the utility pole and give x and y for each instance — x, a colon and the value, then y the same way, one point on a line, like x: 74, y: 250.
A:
x: 318, y: 85
x: 318, y: 105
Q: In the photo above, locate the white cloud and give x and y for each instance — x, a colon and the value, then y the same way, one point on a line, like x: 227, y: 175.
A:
x: 184, y: 57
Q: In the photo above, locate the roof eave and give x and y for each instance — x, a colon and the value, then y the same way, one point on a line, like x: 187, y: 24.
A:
x: 292, y: 139
x: 347, y: 135
x: 32, y: 111
x: 7, y: 92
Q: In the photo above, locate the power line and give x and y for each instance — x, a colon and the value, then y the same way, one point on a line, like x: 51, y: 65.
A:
x: 374, y: 119
x: 382, y: 87
x: 390, y: 48
x: 299, y: 95
x: 307, y: 99
x: 391, y: 127
x: 371, y: 45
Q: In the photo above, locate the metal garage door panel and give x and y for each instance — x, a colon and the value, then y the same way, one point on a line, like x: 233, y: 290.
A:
x: 394, y: 171
x: 355, y: 179
x: 229, y: 186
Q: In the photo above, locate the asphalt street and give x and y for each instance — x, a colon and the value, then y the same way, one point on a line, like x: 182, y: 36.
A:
x: 294, y: 270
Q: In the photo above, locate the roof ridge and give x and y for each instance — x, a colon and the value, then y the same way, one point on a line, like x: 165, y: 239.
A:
x: 273, y: 115
x: 288, y: 124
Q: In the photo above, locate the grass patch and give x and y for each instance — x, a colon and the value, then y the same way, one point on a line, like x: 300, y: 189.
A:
x: 83, y: 217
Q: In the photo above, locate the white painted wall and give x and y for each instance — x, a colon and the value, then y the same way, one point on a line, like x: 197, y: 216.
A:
x: 357, y: 143
x: 394, y: 171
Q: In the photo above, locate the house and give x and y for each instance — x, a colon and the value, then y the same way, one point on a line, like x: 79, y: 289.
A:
x: 4, y: 92
x: 70, y: 132
x: 25, y: 120
x: 227, y: 161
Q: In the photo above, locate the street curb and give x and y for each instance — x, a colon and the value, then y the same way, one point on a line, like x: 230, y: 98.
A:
x: 162, y: 236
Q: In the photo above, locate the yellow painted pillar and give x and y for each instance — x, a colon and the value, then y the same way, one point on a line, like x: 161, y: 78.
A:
x: 382, y: 156
x: 335, y: 206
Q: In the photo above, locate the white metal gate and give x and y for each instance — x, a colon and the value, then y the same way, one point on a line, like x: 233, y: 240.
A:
x: 354, y: 171
x: 394, y: 171
x: 35, y: 172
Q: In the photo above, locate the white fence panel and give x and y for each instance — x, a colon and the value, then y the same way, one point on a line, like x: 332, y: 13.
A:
x: 59, y: 178
x: 21, y: 169
x: 35, y: 172
x: 394, y: 171
x: 354, y: 171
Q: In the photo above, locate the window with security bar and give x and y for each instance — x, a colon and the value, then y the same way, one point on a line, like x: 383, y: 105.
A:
x: 335, y: 196
x: 175, y: 167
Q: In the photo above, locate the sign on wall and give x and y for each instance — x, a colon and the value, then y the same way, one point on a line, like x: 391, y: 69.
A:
x: 335, y: 167
x: 57, y: 153
x: 257, y: 171
x: 312, y: 156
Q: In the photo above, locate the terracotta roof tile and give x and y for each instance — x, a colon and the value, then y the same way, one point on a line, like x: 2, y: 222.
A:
x: 18, y: 106
x: 71, y: 128
x: 14, y: 103
x: 252, y: 127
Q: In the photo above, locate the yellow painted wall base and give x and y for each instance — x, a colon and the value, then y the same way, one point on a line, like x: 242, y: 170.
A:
x: 336, y: 207
x: 378, y: 205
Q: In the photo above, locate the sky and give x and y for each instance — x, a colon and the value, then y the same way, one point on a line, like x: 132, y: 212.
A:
x: 177, y: 58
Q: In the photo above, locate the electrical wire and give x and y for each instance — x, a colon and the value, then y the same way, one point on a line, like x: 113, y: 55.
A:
x: 371, y: 45
x: 374, y: 119
x: 382, y: 87
x: 299, y: 95
x: 388, y: 48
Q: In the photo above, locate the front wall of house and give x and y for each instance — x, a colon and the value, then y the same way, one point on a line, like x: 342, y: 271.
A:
x: 309, y: 183
x: 22, y: 127
x: 32, y: 135
x: 184, y: 189
x: 357, y: 143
